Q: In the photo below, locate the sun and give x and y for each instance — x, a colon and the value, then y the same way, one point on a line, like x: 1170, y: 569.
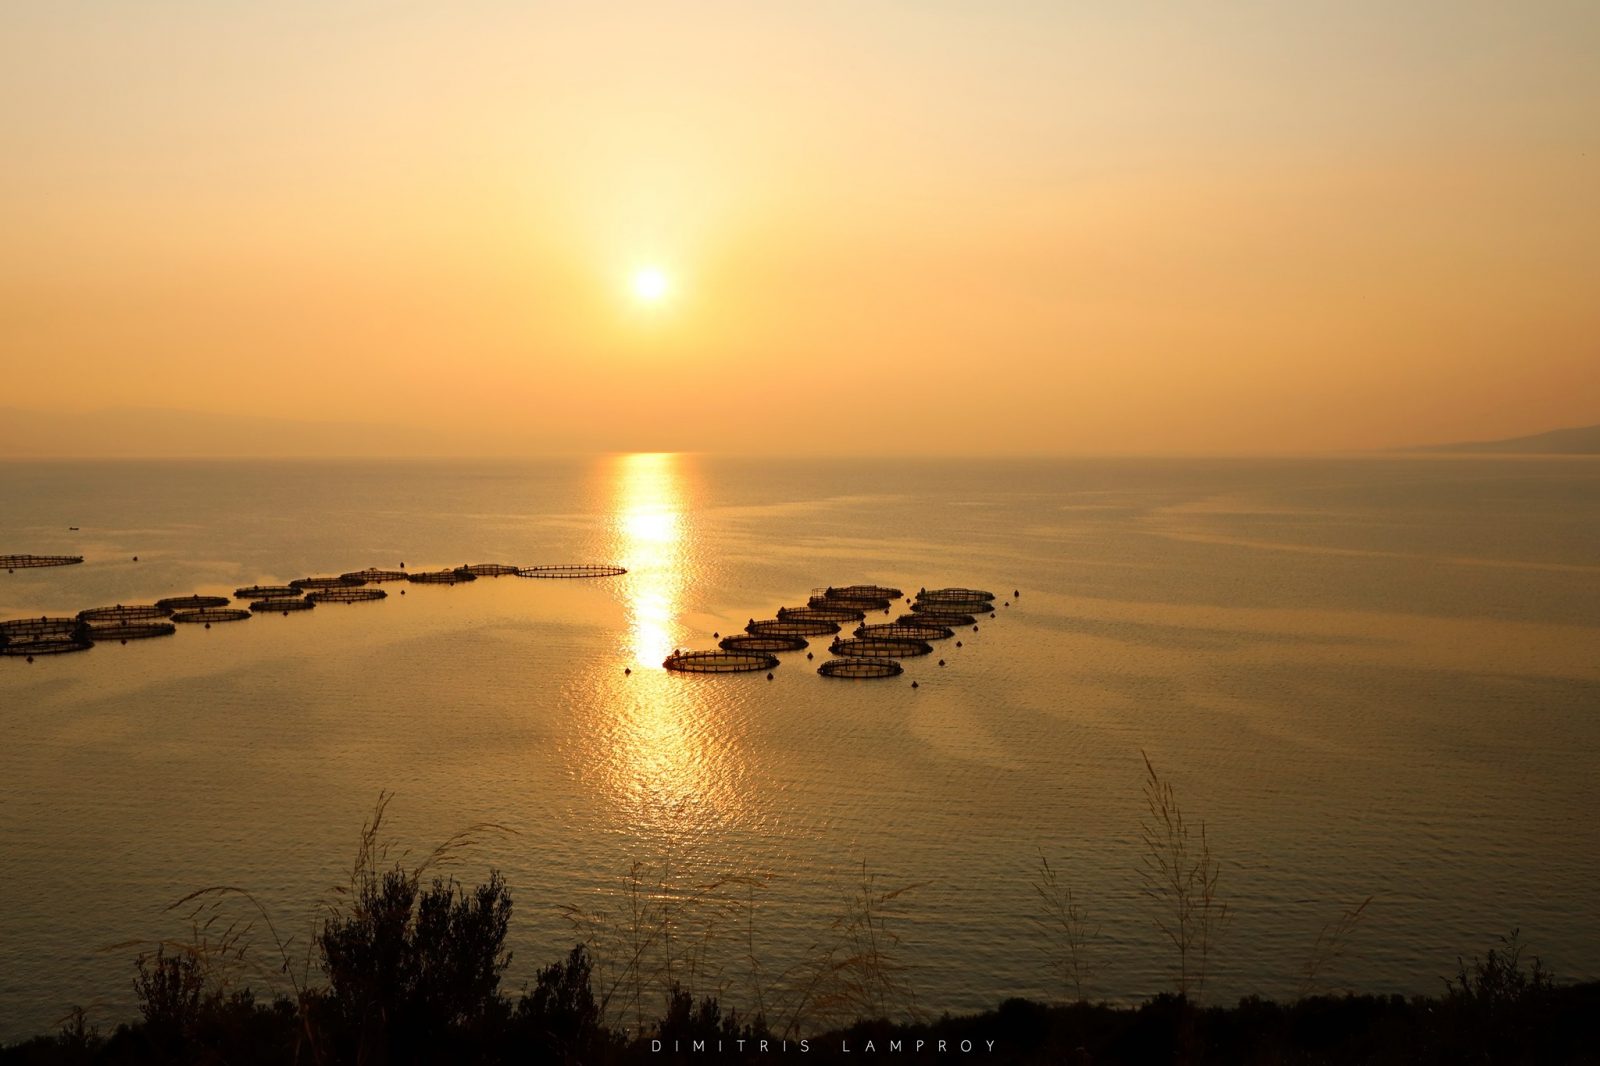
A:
x: 650, y: 285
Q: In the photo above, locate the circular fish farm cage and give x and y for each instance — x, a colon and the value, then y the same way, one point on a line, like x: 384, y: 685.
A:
x: 973, y: 607
x: 192, y: 603
x: 840, y: 602
x: 265, y: 592
x: 899, y: 631
x: 880, y: 647
x: 862, y: 592
x: 820, y: 614
x: 860, y: 668
x: 207, y: 615
x: 719, y: 662
x: 41, y: 628
x: 783, y: 627
x: 125, y: 612
x: 492, y: 570
x: 763, y: 642
x: 952, y: 595
x: 282, y: 604
x: 374, y: 576
x: 45, y: 646
x: 341, y: 582
x: 131, y: 630
x: 441, y: 577
x: 359, y: 595
x: 935, y: 618
x: 31, y: 562
x: 570, y: 570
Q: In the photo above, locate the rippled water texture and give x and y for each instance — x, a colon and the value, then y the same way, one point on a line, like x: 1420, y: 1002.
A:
x: 1370, y: 677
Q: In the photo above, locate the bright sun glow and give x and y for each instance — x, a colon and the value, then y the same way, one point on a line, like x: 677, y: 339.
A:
x: 650, y: 285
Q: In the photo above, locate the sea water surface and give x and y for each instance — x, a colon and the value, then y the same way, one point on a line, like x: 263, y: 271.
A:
x: 1370, y: 677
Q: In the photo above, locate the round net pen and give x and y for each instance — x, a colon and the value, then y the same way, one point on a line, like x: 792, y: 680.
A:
x: 860, y: 668
x: 897, y: 631
x: 340, y: 582
x: 492, y: 569
x: 820, y: 614
x: 862, y: 592
x: 30, y: 562
x: 952, y: 595
x: 880, y: 647
x: 441, y: 577
x: 126, y: 631
x: 192, y: 603
x: 346, y: 596
x: 282, y: 605
x: 49, y: 646
x: 571, y: 570
x: 783, y: 627
x: 719, y: 662
x: 41, y: 628
x: 208, y: 615
x: 266, y: 592
x: 935, y: 618
x: 862, y: 605
x: 374, y: 576
x: 973, y: 607
x: 768, y: 643
x: 125, y: 612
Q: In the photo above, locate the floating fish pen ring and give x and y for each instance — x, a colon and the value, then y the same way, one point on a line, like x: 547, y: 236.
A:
x: 719, y: 662
x: 125, y: 612
x: 374, y: 576
x: 132, y: 630
x: 935, y: 618
x: 53, y: 646
x: 953, y: 607
x: 29, y: 562
x: 208, y: 615
x: 341, y: 582
x: 192, y: 603
x: 573, y: 570
x: 860, y: 668
x: 863, y: 605
x: 783, y: 627
x: 763, y: 642
x: 284, y: 604
x: 952, y: 594
x: 39, y: 628
x: 862, y: 592
x: 346, y: 595
x: 880, y: 647
x: 491, y: 569
x: 441, y: 577
x: 266, y: 592
x: 899, y: 631
x: 820, y: 614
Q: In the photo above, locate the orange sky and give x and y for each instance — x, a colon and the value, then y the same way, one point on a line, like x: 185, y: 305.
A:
x: 1014, y: 228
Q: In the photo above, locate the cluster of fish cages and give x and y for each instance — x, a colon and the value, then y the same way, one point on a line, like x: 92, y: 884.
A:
x: 30, y: 562
x: 28, y: 637
x: 572, y: 570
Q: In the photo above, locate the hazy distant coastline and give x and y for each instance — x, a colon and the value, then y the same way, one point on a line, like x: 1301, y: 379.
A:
x: 1579, y: 440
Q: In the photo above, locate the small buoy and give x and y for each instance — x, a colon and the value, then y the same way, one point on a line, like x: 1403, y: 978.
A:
x: 628, y: 670
x: 1008, y: 603
x: 974, y: 629
x: 941, y: 662
x: 808, y: 655
x: 769, y: 677
x: 958, y: 644
x: 124, y: 641
x: 402, y: 566
x: 208, y: 625
x: 716, y: 636
x: 402, y: 592
x: 73, y: 528
x: 286, y: 614
x: 913, y: 684
x: 135, y: 558
x: 1015, y: 593
x: 30, y: 658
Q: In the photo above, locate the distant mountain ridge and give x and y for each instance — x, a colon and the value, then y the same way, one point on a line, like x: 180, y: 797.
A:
x: 1579, y: 440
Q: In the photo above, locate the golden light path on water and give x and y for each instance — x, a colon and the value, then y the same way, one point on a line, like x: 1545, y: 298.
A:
x: 672, y: 763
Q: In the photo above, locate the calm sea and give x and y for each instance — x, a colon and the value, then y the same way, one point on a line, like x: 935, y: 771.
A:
x: 1369, y: 677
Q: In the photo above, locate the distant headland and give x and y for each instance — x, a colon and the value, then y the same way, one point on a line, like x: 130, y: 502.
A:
x: 1580, y: 440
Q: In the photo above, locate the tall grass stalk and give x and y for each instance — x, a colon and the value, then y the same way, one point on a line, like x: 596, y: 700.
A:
x: 1066, y: 929
x: 1181, y: 875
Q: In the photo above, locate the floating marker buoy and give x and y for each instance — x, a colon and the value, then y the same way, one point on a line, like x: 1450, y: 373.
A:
x: 1008, y: 603
x: 30, y: 658
x: 974, y: 629
x: 941, y: 662
x: 135, y: 558
x: 628, y: 670
x: 124, y: 640
x: 402, y: 592
x: 769, y: 677
x: 208, y: 625
x: 1015, y: 593
x: 958, y: 644
x: 716, y: 636
x: 808, y: 655
x: 913, y: 684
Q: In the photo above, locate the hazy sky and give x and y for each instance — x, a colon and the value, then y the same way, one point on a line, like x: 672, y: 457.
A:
x: 886, y: 227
